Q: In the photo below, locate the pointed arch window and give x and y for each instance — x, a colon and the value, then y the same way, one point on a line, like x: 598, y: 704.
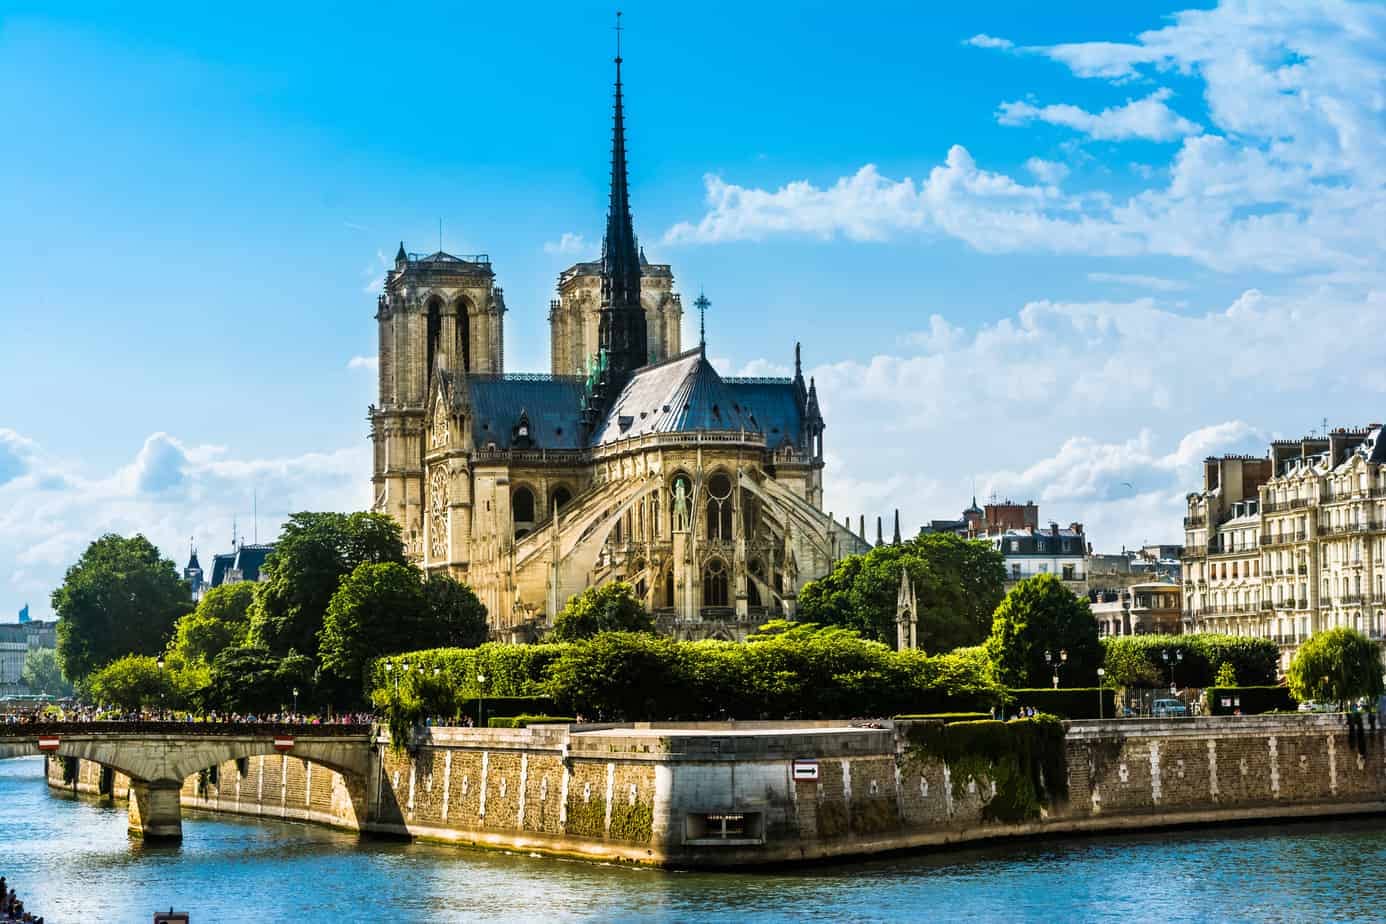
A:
x: 715, y: 583
x: 719, y: 508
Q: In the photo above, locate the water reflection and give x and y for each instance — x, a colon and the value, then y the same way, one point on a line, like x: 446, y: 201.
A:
x: 72, y: 860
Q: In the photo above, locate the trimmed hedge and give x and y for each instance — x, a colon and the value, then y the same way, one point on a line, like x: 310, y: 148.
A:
x: 504, y: 706
x: 1254, y: 700
x: 1136, y: 660
x: 946, y: 717
x: 1066, y: 702
x: 524, y: 721
x: 791, y: 671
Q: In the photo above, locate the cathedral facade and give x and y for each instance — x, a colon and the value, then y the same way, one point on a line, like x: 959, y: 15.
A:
x: 633, y: 459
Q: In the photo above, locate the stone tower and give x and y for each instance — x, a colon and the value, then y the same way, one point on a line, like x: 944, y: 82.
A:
x: 436, y: 312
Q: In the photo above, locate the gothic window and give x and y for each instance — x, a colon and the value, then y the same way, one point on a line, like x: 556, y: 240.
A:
x: 435, y: 327
x: 719, y: 508
x: 669, y: 588
x: 464, y: 335
x: 438, y: 514
x: 715, y: 583
x: 560, y: 497
x: 522, y: 510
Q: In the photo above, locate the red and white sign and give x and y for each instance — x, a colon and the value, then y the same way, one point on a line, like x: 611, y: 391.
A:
x: 283, y: 742
x: 48, y: 743
x: 805, y: 770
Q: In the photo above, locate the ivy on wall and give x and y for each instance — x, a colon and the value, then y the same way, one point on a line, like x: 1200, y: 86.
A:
x: 1024, y: 758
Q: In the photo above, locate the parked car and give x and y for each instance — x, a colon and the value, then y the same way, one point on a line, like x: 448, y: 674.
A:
x: 1168, y: 708
x: 1310, y: 706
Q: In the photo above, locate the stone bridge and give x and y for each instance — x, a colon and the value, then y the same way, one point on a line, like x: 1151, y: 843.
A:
x: 159, y: 756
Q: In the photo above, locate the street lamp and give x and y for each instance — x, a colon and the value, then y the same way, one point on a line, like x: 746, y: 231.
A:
x: 390, y: 671
x: 1101, y: 672
x: 1171, y: 659
x: 1056, y: 661
x: 481, y: 698
x: 295, y: 700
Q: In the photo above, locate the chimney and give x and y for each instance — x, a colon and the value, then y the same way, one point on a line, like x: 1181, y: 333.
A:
x: 1053, y: 528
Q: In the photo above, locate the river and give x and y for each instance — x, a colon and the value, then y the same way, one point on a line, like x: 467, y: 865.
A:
x: 71, y: 860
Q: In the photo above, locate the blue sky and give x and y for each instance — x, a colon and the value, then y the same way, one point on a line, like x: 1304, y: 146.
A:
x: 1055, y: 250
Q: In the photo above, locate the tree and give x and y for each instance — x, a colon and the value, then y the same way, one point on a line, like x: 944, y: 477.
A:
x: 1336, y: 666
x: 957, y: 582
x: 378, y: 609
x: 314, y: 552
x: 1041, y: 615
x: 249, y: 679
x: 132, y: 682
x: 611, y: 607
x: 455, y: 617
x: 121, y: 597
x: 220, y: 621
x: 41, y: 673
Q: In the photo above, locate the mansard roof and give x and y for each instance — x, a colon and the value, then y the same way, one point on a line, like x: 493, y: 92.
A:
x: 553, y: 404
x: 679, y: 395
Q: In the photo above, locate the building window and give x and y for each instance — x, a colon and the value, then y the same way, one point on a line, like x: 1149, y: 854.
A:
x: 719, y: 508
x: 715, y: 583
x: 522, y: 509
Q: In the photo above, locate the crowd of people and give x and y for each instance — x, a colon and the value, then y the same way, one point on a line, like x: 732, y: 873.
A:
x: 97, y: 714
x: 11, y: 908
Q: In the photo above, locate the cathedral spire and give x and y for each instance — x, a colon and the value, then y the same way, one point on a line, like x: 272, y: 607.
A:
x: 622, y: 332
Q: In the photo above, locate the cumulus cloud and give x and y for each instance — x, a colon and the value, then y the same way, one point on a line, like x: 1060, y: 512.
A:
x: 1100, y: 411
x: 364, y: 362
x: 1281, y: 177
x: 1049, y: 172
x: 15, y: 453
x: 1149, y: 119
x: 169, y: 491
x: 568, y: 244
x: 982, y: 40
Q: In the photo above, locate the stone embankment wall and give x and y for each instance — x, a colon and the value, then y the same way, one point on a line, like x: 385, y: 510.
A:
x: 718, y: 795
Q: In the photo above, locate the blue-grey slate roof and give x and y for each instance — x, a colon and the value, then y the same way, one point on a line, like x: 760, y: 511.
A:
x: 679, y: 395
x: 552, y: 403
x: 773, y: 406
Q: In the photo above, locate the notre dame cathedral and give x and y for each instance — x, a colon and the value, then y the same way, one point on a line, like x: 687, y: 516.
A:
x: 632, y: 460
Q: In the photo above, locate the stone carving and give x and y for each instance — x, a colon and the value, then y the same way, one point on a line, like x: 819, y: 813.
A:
x: 439, y: 437
x: 681, y: 514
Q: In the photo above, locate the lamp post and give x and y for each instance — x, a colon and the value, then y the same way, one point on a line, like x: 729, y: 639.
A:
x: 1101, y: 672
x: 480, y: 699
x: 390, y: 672
x: 1171, y: 659
x: 295, y: 700
x: 160, y: 664
x: 1056, y: 660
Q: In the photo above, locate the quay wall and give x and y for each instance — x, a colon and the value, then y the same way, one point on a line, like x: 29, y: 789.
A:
x: 681, y: 794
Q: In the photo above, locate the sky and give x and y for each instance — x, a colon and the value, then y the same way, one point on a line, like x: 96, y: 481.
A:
x: 1056, y: 253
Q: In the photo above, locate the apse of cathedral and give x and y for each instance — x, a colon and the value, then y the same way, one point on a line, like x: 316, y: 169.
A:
x: 632, y: 460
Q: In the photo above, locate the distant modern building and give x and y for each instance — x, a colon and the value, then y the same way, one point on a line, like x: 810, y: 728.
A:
x: 17, y: 639
x: 1292, y: 543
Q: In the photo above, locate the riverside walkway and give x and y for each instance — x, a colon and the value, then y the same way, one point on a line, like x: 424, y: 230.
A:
x: 158, y: 756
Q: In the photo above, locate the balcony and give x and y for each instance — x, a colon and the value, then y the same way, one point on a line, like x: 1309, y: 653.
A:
x: 1195, y: 522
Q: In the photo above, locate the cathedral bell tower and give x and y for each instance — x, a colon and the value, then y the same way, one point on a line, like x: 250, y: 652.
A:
x: 621, y: 334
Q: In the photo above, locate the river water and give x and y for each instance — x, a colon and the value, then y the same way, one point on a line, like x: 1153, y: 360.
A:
x: 71, y: 860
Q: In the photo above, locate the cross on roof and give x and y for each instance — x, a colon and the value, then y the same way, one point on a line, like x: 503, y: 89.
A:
x: 702, y: 304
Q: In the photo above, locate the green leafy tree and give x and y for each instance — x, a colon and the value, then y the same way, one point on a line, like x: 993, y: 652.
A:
x: 132, y: 682
x: 1040, y: 614
x: 121, y: 597
x: 247, y: 679
x: 612, y: 607
x: 220, y: 621
x: 455, y: 617
x: 313, y: 554
x: 1336, y: 666
x: 958, y: 584
x: 379, y: 609
x: 41, y: 673
x: 1226, y: 676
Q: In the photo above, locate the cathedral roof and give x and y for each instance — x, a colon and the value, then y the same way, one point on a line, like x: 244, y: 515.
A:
x: 552, y: 403
x: 774, y: 406
x: 678, y: 395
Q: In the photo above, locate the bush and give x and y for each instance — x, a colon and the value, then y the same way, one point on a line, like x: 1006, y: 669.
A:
x: 611, y: 607
x: 1067, y: 703
x: 1254, y: 700
x: 1137, y: 660
x: 524, y: 721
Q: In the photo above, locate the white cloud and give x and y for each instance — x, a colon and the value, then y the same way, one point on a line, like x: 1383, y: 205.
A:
x: 1049, y: 172
x: 15, y: 454
x: 764, y: 368
x: 169, y: 491
x: 1283, y: 178
x: 982, y: 40
x: 1149, y: 119
x: 364, y: 362
x: 568, y: 244
x: 1099, y: 411
x: 1155, y: 283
